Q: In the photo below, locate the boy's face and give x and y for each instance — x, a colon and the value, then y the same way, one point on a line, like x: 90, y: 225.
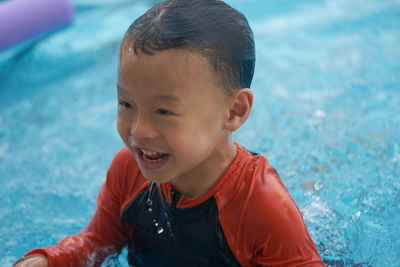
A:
x: 171, y: 113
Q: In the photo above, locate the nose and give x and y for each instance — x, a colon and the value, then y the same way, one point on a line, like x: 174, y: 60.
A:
x: 142, y: 129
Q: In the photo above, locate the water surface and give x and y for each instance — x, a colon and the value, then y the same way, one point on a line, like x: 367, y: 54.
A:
x: 326, y: 115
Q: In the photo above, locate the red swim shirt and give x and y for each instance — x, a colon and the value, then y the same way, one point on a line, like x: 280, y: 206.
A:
x: 254, y: 215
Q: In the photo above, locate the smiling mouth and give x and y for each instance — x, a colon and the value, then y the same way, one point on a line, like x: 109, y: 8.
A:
x: 151, y: 156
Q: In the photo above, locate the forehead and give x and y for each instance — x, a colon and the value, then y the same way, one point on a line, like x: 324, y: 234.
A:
x: 174, y: 68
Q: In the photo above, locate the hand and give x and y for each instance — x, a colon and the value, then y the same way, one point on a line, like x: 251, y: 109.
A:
x: 33, y: 261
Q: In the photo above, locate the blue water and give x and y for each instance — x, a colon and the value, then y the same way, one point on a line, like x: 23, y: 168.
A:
x: 326, y: 114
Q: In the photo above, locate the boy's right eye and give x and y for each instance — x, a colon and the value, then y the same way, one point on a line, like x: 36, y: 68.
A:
x: 124, y: 104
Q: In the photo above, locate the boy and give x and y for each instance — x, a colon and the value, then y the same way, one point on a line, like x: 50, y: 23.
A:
x: 182, y: 193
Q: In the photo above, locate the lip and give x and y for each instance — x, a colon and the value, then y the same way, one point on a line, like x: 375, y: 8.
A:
x: 147, y: 164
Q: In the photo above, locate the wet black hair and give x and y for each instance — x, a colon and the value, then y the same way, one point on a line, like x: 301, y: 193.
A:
x: 209, y: 27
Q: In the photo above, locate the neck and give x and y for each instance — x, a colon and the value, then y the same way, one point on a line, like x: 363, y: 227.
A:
x: 208, y: 172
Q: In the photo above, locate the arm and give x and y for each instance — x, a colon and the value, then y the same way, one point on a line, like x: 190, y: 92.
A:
x: 103, y: 236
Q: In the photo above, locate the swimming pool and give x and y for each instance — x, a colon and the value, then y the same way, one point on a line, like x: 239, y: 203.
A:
x: 326, y: 115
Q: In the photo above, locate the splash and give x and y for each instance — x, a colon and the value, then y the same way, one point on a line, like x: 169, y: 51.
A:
x: 163, y: 223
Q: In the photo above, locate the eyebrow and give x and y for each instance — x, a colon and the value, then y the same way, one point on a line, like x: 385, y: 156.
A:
x: 164, y: 97
x: 124, y: 93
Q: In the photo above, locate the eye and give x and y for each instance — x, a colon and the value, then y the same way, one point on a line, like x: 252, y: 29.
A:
x: 124, y: 104
x: 164, y: 112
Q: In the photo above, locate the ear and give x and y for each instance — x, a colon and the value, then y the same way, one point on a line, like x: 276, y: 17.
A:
x: 240, y: 104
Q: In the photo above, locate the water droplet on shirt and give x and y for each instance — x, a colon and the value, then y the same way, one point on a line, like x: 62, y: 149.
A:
x: 160, y: 230
x: 160, y: 219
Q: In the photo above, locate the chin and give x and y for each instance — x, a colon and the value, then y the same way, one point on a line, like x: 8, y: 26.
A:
x: 156, y: 178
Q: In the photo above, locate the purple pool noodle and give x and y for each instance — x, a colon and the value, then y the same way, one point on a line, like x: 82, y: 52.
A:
x: 21, y: 20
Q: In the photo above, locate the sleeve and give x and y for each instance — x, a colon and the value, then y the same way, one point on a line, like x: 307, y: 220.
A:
x: 103, y: 236
x: 285, y: 239
x: 288, y: 242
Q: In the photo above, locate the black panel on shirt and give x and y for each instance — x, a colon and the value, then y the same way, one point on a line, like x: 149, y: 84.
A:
x: 198, y: 238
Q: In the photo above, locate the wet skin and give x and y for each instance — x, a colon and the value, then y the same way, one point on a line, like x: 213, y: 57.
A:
x: 176, y: 119
x: 33, y: 261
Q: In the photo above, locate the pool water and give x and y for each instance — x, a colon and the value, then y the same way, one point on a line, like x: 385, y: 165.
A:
x: 326, y: 115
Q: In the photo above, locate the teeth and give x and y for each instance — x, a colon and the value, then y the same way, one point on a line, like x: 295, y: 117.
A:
x: 149, y: 153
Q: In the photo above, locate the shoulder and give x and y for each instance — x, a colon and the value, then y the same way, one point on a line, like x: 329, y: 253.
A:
x: 274, y: 226
x: 269, y: 208
x: 261, y: 217
x: 266, y: 190
x: 263, y: 194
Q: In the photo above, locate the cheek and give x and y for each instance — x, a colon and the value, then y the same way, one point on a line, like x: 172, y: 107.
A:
x: 177, y: 140
x: 192, y: 140
x: 123, y: 129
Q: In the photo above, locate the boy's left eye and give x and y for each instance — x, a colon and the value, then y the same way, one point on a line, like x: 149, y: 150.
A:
x: 162, y: 111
